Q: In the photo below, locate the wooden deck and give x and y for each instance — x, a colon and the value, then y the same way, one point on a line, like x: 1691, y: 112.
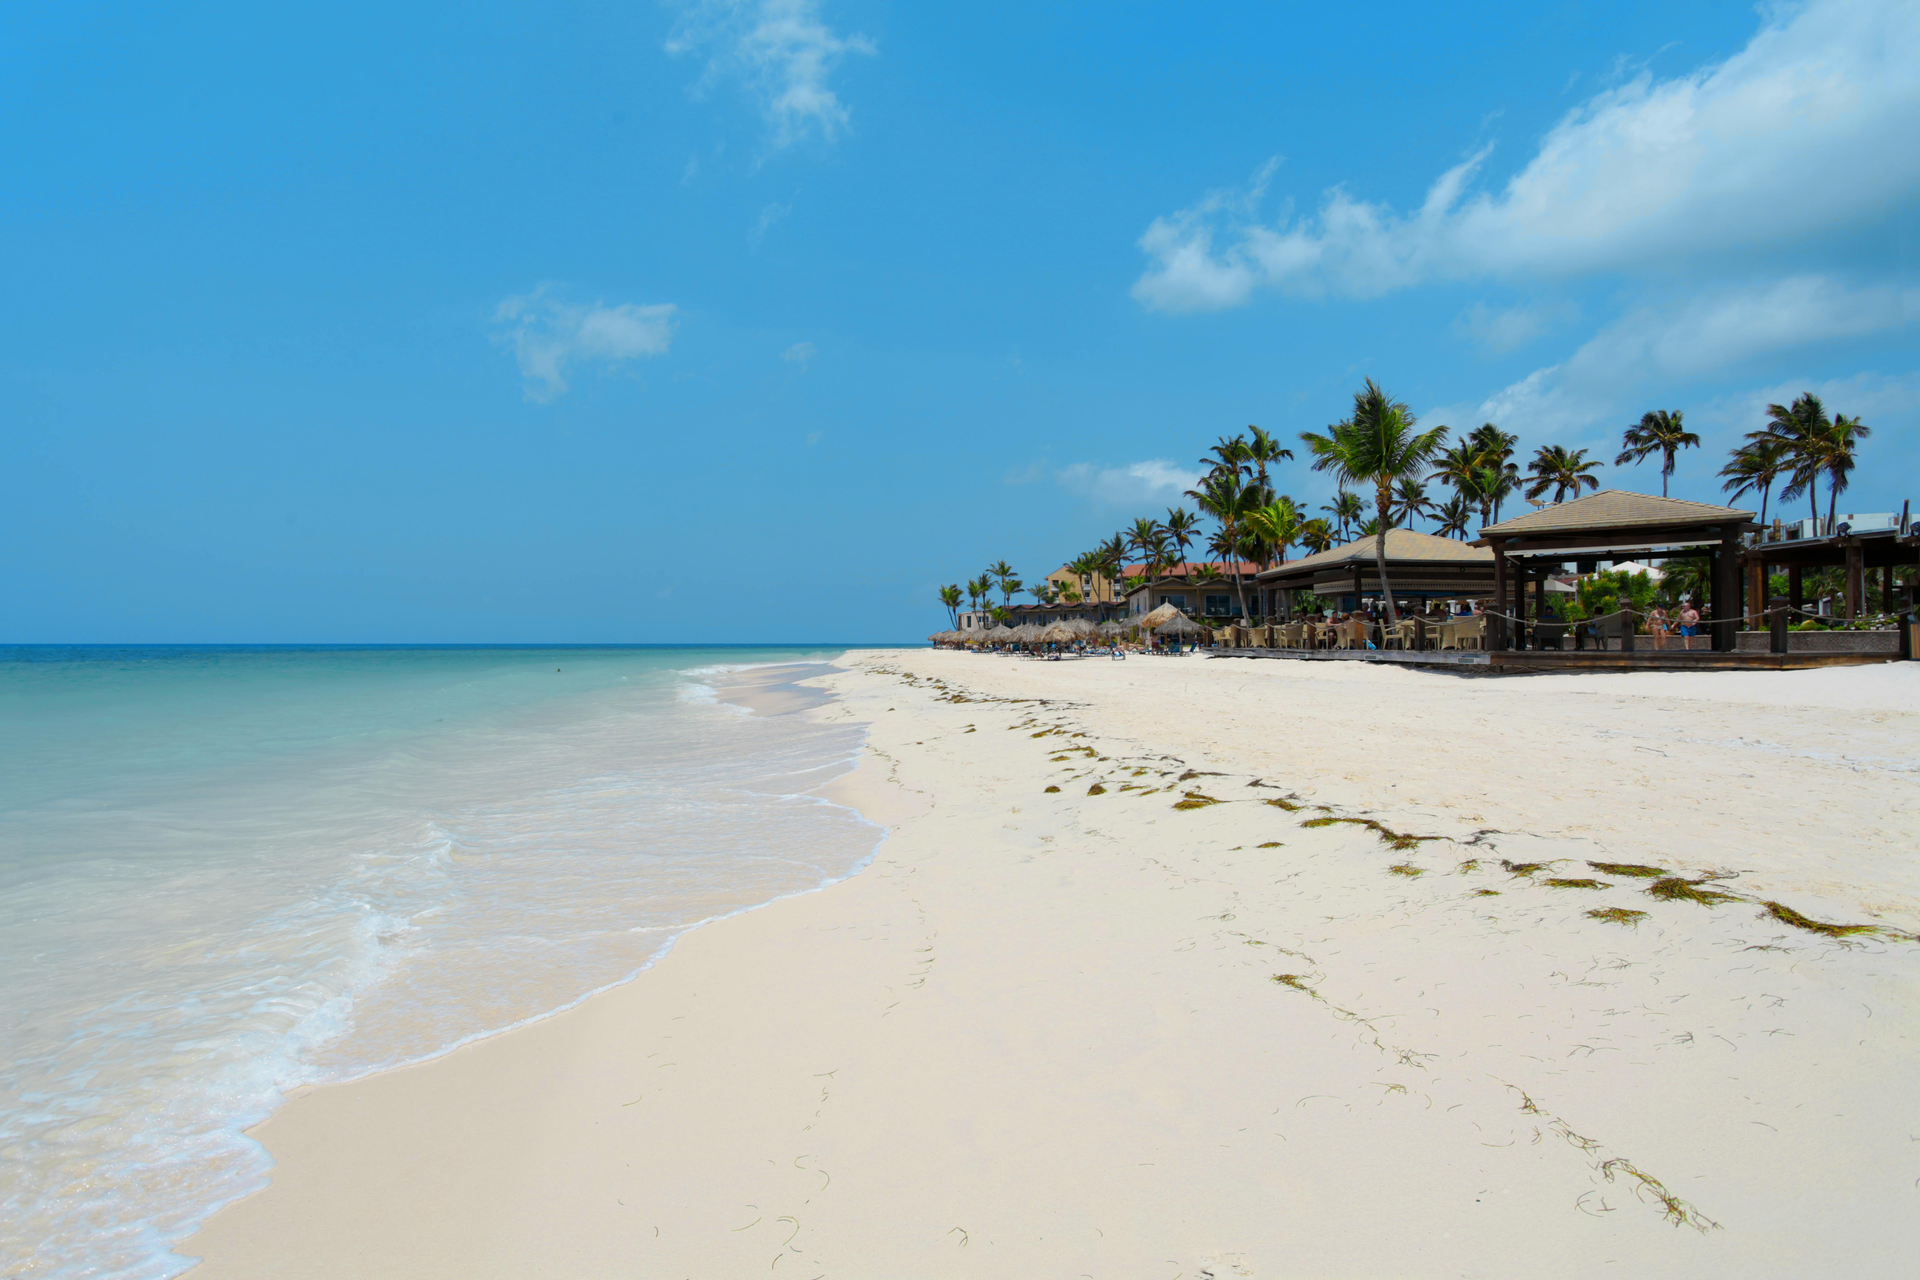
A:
x: 1529, y: 662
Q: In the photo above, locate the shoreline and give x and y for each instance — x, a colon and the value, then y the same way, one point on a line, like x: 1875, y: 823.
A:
x: 1078, y: 1034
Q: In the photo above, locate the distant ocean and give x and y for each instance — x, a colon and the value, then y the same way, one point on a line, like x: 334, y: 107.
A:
x: 226, y: 872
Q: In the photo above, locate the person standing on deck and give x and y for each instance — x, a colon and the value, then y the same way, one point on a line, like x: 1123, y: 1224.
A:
x: 1689, y: 624
x: 1657, y: 627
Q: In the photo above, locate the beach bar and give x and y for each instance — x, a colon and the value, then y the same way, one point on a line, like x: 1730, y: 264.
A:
x: 1419, y: 567
x: 1614, y: 525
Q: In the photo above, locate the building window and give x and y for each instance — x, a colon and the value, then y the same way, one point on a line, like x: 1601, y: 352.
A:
x: 1217, y: 605
x: 1175, y: 599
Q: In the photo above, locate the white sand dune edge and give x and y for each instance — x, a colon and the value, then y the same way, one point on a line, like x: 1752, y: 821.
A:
x: 1061, y: 1034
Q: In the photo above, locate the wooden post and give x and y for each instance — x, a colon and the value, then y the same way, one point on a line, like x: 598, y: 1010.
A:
x: 1796, y: 596
x: 1497, y: 626
x: 1777, y: 625
x: 1356, y: 586
x: 1854, y: 576
x: 1756, y: 592
x: 1886, y: 588
x: 1726, y: 590
x: 1419, y: 632
x: 1539, y: 602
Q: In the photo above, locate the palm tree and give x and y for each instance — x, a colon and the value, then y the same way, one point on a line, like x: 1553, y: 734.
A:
x: 1496, y: 475
x: 1454, y: 515
x: 979, y: 589
x: 1494, y: 485
x: 1838, y: 445
x: 1003, y: 572
x: 950, y: 597
x: 1150, y: 540
x: 1458, y: 466
x: 1378, y: 445
x: 1042, y: 592
x: 1754, y: 466
x: 1228, y: 455
x: 1345, y: 508
x: 1227, y: 498
x: 1562, y: 471
x: 1659, y: 431
x: 1799, y: 426
x: 1275, y: 527
x: 1316, y: 535
x: 1262, y: 449
x: 1183, y: 527
x: 1410, y: 501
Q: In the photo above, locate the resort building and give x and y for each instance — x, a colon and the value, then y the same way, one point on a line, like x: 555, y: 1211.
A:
x: 1213, y: 598
x: 1096, y: 589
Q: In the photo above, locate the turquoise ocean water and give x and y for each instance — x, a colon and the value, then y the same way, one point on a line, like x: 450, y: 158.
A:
x: 227, y: 872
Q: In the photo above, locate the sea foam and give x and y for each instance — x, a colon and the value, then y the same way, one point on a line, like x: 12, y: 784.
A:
x: 228, y: 873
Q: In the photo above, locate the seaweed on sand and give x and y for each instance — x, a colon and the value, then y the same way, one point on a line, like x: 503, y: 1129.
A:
x: 1096, y: 790
x: 1577, y: 883
x: 1618, y: 915
x: 1050, y: 790
x: 1787, y: 915
x: 1408, y: 870
x: 1677, y: 889
x: 1524, y: 868
x: 1627, y: 869
x: 1394, y: 839
x: 1195, y: 800
x: 1288, y: 805
x: 1298, y: 981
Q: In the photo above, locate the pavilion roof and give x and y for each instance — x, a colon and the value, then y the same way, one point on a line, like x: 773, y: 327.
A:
x: 1613, y: 509
x: 1403, y: 546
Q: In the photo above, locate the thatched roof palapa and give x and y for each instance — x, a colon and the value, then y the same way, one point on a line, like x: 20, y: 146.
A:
x: 1164, y: 613
x: 1059, y: 633
x: 1178, y: 625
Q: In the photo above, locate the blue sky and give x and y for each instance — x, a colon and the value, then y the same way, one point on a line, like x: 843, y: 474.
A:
x: 760, y: 320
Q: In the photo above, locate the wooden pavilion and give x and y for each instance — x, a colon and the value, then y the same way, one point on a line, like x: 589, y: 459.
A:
x: 1419, y: 567
x: 1614, y: 525
x: 1857, y: 551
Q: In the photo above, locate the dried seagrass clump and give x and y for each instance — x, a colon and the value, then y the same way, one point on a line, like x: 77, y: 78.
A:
x: 1676, y: 889
x: 1787, y: 915
x: 1577, y: 883
x: 1627, y: 869
x: 1618, y: 915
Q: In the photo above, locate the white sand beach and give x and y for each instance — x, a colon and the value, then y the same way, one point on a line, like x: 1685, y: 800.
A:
x: 1278, y: 982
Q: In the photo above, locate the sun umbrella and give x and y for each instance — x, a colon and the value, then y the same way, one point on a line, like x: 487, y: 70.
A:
x: 1178, y: 625
x: 1059, y: 633
x: 1165, y: 612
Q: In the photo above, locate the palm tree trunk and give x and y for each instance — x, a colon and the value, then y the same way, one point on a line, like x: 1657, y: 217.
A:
x: 1380, y: 561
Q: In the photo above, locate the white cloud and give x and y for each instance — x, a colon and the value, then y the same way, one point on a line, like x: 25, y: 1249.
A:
x: 548, y: 335
x: 1890, y: 403
x: 1661, y: 344
x: 1793, y: 136
x: 1514, y: 327
x: 1148, y: 481
x: 800, y: 353
x: 764, y: 223
x: 780, y: 52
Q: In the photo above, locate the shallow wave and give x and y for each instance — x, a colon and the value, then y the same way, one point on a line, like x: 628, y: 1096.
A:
x: 195, y: 944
